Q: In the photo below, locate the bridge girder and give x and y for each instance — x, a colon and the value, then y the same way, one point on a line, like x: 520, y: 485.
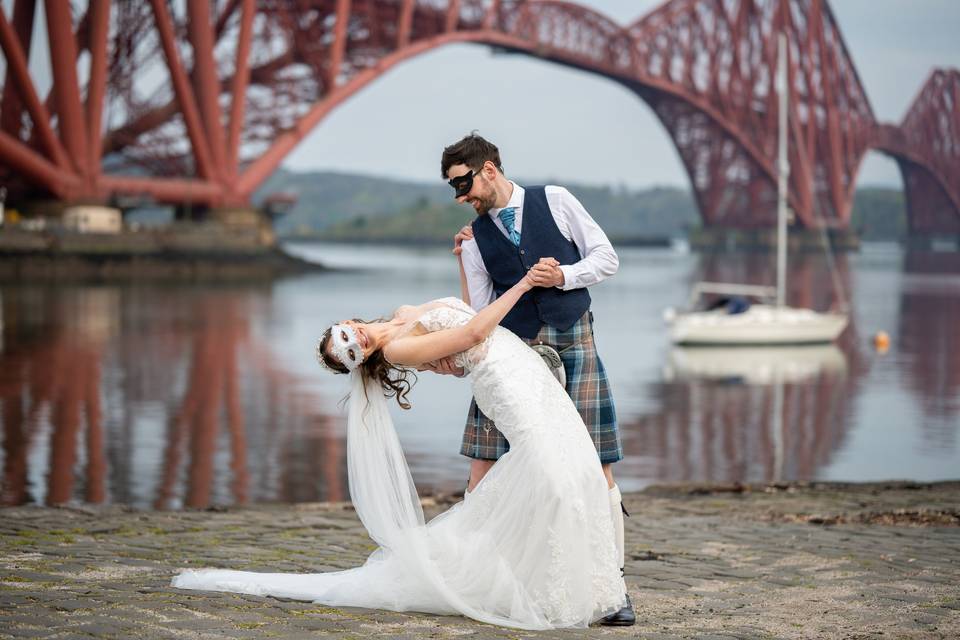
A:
x: 241, y: 87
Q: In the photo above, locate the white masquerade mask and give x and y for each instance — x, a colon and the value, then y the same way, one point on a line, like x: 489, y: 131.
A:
x: 345, y: 346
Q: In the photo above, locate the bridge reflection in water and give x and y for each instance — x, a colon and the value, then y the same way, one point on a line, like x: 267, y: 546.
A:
x: 104, y: 401
x: 929, y: 342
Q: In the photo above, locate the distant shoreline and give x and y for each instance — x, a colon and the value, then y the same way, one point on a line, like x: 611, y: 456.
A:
x: 639, y: 241
x: 166, y: 265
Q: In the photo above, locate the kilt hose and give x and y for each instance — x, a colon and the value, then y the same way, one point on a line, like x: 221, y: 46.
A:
x: 587, y: 386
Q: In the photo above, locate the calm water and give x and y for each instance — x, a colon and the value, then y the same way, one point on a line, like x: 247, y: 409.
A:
x: 171, y: 396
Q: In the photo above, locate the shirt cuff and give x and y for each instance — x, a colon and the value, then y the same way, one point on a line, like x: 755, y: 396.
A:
x: 569, y: 278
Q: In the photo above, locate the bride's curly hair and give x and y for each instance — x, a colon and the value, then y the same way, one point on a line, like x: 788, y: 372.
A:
x: 394, y: 380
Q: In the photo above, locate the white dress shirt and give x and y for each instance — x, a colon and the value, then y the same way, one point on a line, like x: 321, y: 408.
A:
x: 599, y: 261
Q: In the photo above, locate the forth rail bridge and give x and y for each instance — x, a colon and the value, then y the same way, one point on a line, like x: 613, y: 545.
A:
x: 200, y: 101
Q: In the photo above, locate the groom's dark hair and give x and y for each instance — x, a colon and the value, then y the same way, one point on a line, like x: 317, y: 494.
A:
x: 473, y: 151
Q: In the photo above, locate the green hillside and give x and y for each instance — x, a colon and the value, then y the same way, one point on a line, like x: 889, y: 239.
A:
x: 421, y: 222
x: 879, y: 213
x: 338, y: 206
x: 326, y: 198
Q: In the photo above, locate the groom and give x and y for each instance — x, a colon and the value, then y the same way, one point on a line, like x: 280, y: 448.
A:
x: 547, y: 231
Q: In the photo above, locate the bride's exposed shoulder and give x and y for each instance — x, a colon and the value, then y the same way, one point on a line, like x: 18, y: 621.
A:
x: 407, y: 314
x: 405, y: 311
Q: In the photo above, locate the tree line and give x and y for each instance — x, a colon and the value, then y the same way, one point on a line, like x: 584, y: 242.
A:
x: 352, y: 207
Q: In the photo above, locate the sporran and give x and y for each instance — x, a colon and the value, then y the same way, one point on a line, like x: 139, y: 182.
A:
x: 551, y: 358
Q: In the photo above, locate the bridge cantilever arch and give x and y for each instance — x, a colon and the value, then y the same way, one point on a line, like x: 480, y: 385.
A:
x: 200, y: 101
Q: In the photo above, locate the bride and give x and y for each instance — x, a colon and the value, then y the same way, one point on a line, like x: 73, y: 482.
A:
x: 532, y: 546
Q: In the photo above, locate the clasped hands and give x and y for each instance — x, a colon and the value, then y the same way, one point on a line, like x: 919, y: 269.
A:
x: 546, y: 273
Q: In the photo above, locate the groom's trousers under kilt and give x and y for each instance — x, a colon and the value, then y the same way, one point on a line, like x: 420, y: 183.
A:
x: 587, y: 386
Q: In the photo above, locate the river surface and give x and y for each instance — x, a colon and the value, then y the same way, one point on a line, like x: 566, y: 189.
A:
x: 168, y: 396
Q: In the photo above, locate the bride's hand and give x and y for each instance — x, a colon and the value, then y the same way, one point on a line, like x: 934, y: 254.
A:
x: 527, y: 282
x: 546, y: 273
x: 466, y: 233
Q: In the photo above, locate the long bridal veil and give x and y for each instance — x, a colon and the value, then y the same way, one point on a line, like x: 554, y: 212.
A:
x: 381, y: 486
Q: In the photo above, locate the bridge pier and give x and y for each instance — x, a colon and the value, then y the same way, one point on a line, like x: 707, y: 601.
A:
x: 233, y: 220
x: 724, y: 239
x: 245, y: 219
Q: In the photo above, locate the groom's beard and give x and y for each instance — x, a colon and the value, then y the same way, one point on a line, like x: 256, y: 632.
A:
x: 482, y: 204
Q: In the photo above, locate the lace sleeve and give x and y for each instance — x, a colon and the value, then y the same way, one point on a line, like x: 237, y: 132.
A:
x: 440, y: 318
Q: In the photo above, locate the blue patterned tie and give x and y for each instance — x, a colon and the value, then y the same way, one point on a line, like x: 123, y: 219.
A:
x: 507, y: 216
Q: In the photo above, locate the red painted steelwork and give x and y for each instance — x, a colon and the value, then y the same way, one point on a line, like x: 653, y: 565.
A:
x: 206, y: 83
x: 11, y: 105
x: 241, y: 78
x: 96, y: 88
x: 927, y: 147
x: 706, y: 67
x: 23, y: 92
x: 188, y: 104
x: 63, y: 60
x: 31, y: 165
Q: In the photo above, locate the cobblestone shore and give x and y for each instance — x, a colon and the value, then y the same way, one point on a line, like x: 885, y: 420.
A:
x: 797, y: 561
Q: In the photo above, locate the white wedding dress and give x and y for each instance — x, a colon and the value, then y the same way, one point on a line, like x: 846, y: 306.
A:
x: 531, y: 547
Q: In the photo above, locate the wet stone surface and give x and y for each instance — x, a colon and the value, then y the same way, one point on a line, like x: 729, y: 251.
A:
x: 798, y: 561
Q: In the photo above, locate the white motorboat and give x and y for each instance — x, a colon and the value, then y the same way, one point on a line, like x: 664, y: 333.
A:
x: 736, y: 322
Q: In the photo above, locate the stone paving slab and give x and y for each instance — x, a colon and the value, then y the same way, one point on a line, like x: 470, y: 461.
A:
x: 779, y: 561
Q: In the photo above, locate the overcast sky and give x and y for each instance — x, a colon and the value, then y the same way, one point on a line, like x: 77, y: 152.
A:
x: 555, y: 123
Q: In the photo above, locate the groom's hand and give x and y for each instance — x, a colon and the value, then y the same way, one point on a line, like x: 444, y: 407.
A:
x: 464, y: 234
x: 443, y: 366
x: 546, y: 273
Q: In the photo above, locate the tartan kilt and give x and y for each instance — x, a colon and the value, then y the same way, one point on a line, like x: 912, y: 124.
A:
x: 587, y: 386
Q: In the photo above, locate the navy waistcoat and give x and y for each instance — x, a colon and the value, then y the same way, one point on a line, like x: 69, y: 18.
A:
x: 507, y: 264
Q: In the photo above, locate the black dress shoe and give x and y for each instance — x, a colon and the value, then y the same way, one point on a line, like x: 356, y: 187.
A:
x: 623, y: 618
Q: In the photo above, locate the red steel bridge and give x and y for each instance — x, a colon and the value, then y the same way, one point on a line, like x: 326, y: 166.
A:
x: 200, y: 100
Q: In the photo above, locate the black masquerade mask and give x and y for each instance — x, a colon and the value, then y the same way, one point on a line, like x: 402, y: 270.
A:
x: 462, y: 184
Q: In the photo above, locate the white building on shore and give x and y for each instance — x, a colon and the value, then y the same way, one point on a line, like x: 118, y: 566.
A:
x: 93, y: 219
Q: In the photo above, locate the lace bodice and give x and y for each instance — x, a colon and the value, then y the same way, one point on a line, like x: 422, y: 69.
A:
x: 449, y: 313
